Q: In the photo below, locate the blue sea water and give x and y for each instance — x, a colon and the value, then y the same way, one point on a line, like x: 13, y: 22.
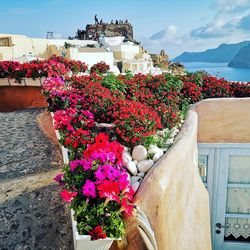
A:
x: 220, y: 70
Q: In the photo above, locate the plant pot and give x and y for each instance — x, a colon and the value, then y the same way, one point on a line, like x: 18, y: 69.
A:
x: 32, y: 82
x: 41, y: 80
x: 14, y: 82
x: 4, y: 82
x: 84, y: 242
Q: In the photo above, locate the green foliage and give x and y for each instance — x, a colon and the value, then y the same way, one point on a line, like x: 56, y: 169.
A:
x: 113, y: 83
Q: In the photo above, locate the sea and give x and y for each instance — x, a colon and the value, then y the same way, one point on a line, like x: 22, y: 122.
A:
x: 220, y: 70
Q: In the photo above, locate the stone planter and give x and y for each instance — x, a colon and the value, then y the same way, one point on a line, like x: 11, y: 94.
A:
x: 13, y: 82
x: 84, y: 242
x: 32, y: 82
x: 4, y: 82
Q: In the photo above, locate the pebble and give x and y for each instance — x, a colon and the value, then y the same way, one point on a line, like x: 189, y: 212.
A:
x: 145, y: 165
x: 131, y: 166
x: 126, y: 158
x: 157, y: 156
x: 139, y: 153
x: 135, y: 179
x: 135, y: 186
x: 141, y: 174
x: 153, y: 149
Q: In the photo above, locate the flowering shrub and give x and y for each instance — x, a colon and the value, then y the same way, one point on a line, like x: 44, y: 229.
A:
x: 134, y: 121
x: 9, y: 69
x: 74, y: 127
x: 191, y: 91
x: 213, y: 87
x: 240, y: 89
x: 98, y: 189
x: 73, y: 65
x: 53, y: 67
x: 60, y: 95
x: 100, y: 67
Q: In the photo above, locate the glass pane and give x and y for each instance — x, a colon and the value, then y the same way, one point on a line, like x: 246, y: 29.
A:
x: 237, y: 229
x: 238, y: 200
x: 239, y: 169
x: 203, y: 160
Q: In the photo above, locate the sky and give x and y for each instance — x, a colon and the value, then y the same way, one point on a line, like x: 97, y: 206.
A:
x: 173, y: 25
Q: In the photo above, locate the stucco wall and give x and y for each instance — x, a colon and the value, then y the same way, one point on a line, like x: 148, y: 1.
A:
x: 224, y: 120
x: 14, y: 98
x: 174, y: 198
x: 22, y: 45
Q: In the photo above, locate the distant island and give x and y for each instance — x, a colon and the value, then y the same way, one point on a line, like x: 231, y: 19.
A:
x: 233, y: 54
x: 241, y: 59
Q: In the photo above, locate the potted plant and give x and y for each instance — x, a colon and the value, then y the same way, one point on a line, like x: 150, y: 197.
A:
x: 99, y: 192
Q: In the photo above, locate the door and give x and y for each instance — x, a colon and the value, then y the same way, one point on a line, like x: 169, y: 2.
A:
x: 231, y: 202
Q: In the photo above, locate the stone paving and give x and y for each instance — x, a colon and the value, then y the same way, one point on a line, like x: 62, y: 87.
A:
x: 32, y: 215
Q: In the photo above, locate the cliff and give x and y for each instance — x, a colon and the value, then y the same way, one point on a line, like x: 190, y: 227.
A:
x: 223, y: 53
x: 241, y: 59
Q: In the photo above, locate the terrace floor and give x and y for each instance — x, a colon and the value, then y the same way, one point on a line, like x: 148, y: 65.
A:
x: 32, y: 215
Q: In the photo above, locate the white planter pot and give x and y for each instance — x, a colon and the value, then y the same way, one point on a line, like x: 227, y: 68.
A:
x: 4, y: 82
x: 13, y: 82
x: 84, y: 242
x: 65, y: 154
x: 33, y: 83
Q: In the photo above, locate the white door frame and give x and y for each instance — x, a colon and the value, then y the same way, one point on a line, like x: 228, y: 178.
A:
x: 218, y: 156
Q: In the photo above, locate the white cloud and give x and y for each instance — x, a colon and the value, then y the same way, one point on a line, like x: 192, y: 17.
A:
x: 231, y: 19
x: 230, y: 24
x: 168, y: 34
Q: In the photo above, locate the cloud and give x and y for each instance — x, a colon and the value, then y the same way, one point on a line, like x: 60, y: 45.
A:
x: 232, y: 18
x: 167, y: 34
x: 230, y: 24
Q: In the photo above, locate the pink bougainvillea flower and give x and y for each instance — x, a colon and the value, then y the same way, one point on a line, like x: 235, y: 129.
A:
x: 88, y: 189
x: 68, y: 196
x: 58, y: 179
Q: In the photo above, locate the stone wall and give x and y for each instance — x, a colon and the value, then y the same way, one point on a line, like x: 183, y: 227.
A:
x: 223, y: 120
x: 109, y: 30
x: 20, y: 97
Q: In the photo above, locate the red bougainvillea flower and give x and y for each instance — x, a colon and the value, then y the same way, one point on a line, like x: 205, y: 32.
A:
x: 88, y: 189
x: 97, y: 233
x: 68, y: 196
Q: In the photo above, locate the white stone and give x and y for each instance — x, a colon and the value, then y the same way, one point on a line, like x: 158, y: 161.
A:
x: 135, y: 162
x: 132, y: 168
x: 173, y: 132
x: 135, y: 186
x: 126, y: 158
x: 169, y: 142
x: 125, y: 149
x: 139, y: 153
x: 153, y: 149
x: 145, y: 165
x: 141, y: 174
x: 136, y: 178
x: 158, y: 155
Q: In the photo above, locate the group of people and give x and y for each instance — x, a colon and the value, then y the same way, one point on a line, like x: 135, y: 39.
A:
x: 112, y: 21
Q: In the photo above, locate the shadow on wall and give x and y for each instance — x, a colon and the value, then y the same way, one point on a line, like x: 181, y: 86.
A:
x: 15, y: 98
